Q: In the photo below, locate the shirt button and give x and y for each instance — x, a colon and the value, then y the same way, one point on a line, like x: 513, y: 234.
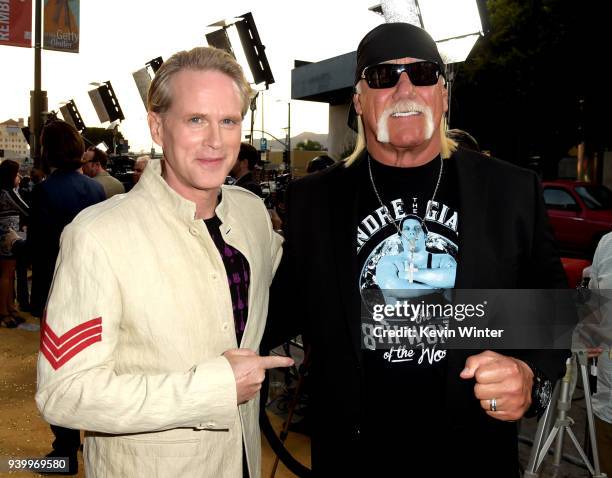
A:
x: 225, y: 326
x: 214, y: 276
x: 193, y: 231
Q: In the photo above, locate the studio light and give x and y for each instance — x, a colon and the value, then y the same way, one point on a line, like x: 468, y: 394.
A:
x: 143, y: 77
x: 71, y: 115
x: 247, y: 49
x: 106, y: 103
x: 155, y: 63
x: 455, y: 25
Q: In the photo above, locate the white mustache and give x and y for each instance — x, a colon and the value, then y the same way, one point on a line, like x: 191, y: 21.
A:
x: 407, y: 106
x: 403, y: 106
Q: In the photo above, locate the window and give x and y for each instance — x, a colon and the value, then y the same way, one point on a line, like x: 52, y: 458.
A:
x: 556, y: 198
x: 595, y: 197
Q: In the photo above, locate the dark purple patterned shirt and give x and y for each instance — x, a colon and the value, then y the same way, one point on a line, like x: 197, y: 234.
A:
x: 238, y: 275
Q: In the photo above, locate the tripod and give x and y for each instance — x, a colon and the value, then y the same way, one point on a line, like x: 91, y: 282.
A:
x: 563, y: 424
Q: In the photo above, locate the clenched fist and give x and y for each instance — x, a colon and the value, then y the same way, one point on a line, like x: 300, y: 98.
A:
x: 505, y: 379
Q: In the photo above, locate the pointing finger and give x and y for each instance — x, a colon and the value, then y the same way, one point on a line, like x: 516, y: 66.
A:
x: 240, y: 352
x: 276, y: 361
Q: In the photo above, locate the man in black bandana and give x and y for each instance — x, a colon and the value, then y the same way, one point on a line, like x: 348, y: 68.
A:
x: 409, y: 207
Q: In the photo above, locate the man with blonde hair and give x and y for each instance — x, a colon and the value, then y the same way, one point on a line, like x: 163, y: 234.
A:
x: 396, y: 410
x: 160, y: 295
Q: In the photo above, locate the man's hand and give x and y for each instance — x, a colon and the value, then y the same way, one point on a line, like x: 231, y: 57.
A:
x: 277, y: 222
x: 506, y: 379
x: 250, y: 370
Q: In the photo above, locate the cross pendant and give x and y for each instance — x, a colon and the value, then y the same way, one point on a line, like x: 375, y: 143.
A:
x: 411, y: 270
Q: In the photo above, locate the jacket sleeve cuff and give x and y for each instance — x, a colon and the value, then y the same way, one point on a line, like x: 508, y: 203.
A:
x: 217, y: 384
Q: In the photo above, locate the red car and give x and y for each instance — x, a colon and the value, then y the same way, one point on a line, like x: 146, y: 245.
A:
x: 580, y: 214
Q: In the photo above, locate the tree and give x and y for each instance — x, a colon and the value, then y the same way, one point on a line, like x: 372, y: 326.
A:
x: 309, y: 145
x: 520, y: 92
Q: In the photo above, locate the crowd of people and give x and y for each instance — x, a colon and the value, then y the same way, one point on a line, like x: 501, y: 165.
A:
x: 35, y: 206
x: 155, y: 302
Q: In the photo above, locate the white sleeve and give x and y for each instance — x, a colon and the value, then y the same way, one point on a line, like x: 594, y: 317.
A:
x: 77, y: 384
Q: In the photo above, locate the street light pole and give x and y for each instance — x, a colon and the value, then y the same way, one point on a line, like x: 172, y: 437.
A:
x: 289, y: 135
x: 253, y: 107
x: 36, y: 99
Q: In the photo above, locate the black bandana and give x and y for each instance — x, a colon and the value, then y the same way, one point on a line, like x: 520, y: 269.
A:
x: 391, y: 41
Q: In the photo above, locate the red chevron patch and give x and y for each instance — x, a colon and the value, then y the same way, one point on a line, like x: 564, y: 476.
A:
x: 59, y: 350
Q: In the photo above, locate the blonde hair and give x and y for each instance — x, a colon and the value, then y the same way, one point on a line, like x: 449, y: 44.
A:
x: 159, y: 97
x: 447, y: 145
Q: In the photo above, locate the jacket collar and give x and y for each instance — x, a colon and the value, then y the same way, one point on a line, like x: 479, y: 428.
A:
x: 153, y: 184
x: 343, y: 208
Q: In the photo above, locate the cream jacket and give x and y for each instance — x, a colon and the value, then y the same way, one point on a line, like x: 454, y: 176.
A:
x: 137, y: 319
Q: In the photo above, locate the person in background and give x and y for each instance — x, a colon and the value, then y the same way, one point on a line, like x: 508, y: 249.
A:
x: 25, y: 188
x: 55, y: 203
x: 139, y: 166
x: 463, y: 139
x: 95, y: 161
x: 12, y: 206
x: 21, y: 252
x: 37, y: 175
x: 248, y: 157
x: 601, y: 279
x: 319, y: 163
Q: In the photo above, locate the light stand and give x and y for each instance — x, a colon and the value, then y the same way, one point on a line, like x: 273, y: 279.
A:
x: 253, y: 107
x: 563, y: 424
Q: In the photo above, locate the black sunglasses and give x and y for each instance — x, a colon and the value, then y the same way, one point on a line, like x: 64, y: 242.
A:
x: 386, y: 75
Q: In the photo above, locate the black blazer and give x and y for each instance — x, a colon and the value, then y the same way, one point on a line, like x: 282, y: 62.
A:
x: 504, y: 242
x: 55, y: 203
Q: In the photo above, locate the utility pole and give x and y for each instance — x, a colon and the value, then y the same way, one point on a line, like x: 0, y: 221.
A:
x: 262, y: 112
x: 289, y: 135
x: 37, y: 97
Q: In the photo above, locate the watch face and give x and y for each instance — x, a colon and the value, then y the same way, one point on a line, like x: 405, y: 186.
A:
x: 542, y: 391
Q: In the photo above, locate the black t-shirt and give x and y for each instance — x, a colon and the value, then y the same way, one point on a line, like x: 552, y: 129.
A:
x: 405, y: 386
x: 238, y: 275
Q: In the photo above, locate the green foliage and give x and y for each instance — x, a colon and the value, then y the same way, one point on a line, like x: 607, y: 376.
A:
x: 309, y: 145
x: 519, y: 93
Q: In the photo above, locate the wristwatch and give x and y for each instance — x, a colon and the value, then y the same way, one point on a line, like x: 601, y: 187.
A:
x: 541, y: 392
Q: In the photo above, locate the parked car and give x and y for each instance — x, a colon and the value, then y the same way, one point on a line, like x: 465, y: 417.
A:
x: 575, y: 270
x: 580, y: 214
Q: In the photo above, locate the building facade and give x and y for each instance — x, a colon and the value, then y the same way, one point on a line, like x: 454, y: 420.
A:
x: 13, y: 144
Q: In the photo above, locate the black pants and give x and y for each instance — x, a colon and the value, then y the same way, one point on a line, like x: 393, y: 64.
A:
x: 67, y: 441
x: 20, y: 252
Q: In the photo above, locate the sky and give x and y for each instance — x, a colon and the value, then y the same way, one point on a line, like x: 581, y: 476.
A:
x: 119, y: 36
